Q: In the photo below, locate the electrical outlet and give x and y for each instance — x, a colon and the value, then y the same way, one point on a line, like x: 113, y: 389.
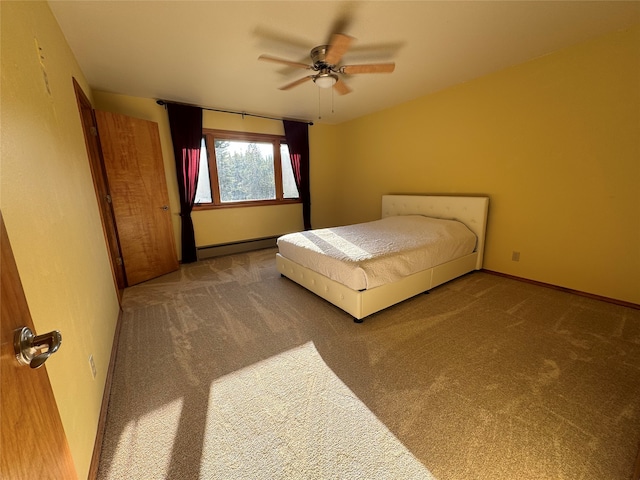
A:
x: 515, y: 256
x: 92, y: 364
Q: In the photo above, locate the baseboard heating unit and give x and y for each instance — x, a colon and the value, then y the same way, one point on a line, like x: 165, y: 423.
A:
x: 211, y: 251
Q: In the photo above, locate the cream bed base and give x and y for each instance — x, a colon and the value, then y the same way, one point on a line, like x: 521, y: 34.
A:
x: 472, y: 211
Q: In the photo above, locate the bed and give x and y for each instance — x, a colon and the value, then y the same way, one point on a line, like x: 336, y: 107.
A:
x: 364, y: 268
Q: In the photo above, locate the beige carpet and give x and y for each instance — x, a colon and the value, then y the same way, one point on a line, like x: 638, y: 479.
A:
x: 227, y: 370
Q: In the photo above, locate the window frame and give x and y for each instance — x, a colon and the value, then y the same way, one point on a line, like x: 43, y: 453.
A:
x: 210, y: 136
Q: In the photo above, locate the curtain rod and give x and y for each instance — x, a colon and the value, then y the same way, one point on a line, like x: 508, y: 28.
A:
x: 244, y: 114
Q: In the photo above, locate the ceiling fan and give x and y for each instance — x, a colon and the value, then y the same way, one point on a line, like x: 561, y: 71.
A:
x: 326, y: 63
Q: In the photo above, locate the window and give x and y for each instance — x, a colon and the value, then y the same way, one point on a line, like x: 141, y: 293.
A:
x: 244, y: 169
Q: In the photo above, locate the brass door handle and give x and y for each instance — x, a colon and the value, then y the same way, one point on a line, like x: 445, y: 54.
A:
x: 28, y: 347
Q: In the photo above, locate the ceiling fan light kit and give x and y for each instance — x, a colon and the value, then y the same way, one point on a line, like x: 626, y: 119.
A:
x: 325, y: 80
x: 325, y: 60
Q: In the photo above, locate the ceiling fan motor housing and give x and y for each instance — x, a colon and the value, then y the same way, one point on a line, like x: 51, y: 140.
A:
x: 318, y: 56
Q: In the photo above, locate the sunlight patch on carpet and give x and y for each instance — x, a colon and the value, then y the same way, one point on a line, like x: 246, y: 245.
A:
x: 146, y: 444
x: 289, y: 417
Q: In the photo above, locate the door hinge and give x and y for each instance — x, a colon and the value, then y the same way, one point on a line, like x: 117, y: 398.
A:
x: 108, y: 198
x: 94, y: 131
x: 119, y: 261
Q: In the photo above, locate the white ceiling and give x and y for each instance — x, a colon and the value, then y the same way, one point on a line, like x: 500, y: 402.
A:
x: 206, y: 52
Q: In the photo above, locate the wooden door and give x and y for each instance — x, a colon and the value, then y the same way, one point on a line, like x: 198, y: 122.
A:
x: 135, y: 172
x: 101, y: 187
x: 32, y: 440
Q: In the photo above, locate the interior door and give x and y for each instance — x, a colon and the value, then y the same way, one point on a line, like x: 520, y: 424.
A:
x: 135, y: 172
x: 32, y: 440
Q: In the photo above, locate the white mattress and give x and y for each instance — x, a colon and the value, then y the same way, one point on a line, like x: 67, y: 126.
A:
x: 367, y: 255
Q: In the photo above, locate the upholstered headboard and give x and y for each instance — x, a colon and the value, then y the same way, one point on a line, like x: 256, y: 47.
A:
x: 472, y: 211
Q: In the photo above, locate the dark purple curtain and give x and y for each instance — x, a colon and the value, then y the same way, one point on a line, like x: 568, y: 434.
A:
x: 297, y: 136
x: 186, y: 133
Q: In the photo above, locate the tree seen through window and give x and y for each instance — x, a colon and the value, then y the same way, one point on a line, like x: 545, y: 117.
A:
x: 237, y: 168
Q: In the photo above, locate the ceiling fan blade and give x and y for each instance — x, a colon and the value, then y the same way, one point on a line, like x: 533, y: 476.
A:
x: 269, y: 58
x: 337, y: 48
x: 372, y: 68
x: 341, y: 87
x: 297, y: 82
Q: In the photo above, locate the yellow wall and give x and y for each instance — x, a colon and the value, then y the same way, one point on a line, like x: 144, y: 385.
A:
x: 554, y: 142
x: 51, y: 213
x: 220, y: 226
x: 327, y: 168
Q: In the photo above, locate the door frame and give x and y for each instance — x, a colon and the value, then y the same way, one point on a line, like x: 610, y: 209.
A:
x: 101, y: 186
